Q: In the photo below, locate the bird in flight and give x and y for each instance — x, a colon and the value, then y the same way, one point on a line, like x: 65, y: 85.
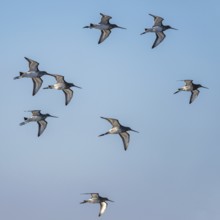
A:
x: 158, y: 28
x: 104, y: 26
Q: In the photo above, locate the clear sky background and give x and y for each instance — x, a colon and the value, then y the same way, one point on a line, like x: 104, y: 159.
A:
x: 171, y: 168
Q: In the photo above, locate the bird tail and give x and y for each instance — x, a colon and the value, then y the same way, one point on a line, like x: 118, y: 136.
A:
x: 83, y: 202
x: 103, y: 134
x: 49, y: 87
x: 90, y: 26
x: 19, y: 77
x: 146, y: 30
x: 177, y: 91
x: 25, y: 121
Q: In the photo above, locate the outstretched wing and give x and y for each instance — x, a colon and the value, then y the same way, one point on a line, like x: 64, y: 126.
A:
x: 68, y: 95
x: 93, y: 195
x: 193, y: 96
x: 114, y: 122
x: 33, y: 65
x: 188, y: 82
x: 125, y: 138
x: 157, y: 20
x: 42, y: 124
x: 103, y: 206
x: 104, y: 35
x: 35, y: 112
x: 59, y: 78
x: 105, y: 19
x: 37, y: 81
x: 159, y: 38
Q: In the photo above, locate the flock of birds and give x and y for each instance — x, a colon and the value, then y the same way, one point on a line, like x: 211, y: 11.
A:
x: 35, y: 74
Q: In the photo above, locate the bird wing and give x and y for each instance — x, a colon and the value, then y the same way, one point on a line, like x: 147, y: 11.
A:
x: 193, y: 96
x: 68, y: 95
x: 103, y: 206
x: 125, y: 138
x: 159, y: 38
x: 114, y: 122
x: 105, y: 19
x: 188, y: 82
x: 93, y: 195
x: 42, y: 124
x: 59, y: 78
x: 35, y: 112
x: 37, y: 84
x: 104, y: 35
x: 157, y: 20
x: 33, y: 65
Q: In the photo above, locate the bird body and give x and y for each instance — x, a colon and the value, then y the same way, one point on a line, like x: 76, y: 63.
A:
x: 117, y: 128
x: 64, y: 86
x: 191, y: 87
x: 104, y: 26
x: 34, y: 73
x: 158, y: 28
x: 96, y: 198
x: 38, y: 117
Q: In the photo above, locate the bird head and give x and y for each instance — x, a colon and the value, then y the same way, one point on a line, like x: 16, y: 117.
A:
x: 200, y: 86
x: 116, y: 26
x: 46, y: 73
x: 106, y: 199
x: 48, y: 115
x: 73, y: 85
x: 169, y: 27
x: 129, y: 129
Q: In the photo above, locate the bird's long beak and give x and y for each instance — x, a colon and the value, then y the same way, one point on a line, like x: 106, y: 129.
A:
x: 121, y: 27
x: 174, y: 28
x: 110, y: 200
x: 78, y: 87
x: 53, y: 116
x: 204, y: 87
x: 135, y: 131
x: 49, y: 74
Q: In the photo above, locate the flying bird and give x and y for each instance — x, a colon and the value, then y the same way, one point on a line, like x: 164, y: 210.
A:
x: 64, y: 86
x: 38, y: 117
x: 158, y: 28
x: 96, y: 198
x: 104, y: 26
x: 34, y: 73
x: 117, y: 128
x: 191, y: 87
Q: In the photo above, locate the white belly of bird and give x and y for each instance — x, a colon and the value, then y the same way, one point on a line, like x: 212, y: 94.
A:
x: 114, y: 130
x: 102, y: 27
x: 157, y: 29
x: 186, y: 88
x: 35, y: 118
x: 31, y: 74
x: 59, y: 86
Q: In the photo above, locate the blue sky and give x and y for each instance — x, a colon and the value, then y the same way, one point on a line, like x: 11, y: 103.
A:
x: 171, y: 168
